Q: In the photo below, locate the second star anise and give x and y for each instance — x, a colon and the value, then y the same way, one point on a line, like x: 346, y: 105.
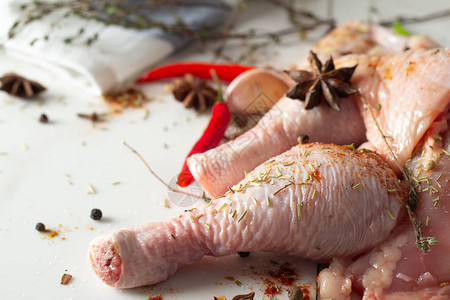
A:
x: 324, y: 81
x: 194, y: 92
x: 20, y: 86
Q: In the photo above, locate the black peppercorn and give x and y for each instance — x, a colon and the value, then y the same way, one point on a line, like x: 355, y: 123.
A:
x: 40, y: 227
x: 302, y: 139
x: 96, y: 214
x: 243, y: 254
x: 295, y: 293
x: 43, y: 118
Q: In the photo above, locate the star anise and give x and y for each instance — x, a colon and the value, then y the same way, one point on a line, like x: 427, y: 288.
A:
x: 324, y: 81
x: 194, y: 92
x: 19, y: 86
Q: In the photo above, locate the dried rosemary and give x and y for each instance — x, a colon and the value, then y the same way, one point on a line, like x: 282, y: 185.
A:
x: 422, y: 242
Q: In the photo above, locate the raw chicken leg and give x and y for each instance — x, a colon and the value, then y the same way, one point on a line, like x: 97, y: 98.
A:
x: 314, y: 201
x: 397, y: 269
x: 222, y: 167
x: 264, y: 88
x: 277, y: 131
x: 406, y: 92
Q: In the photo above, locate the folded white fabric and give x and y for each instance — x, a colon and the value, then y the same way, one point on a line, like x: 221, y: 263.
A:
x: 115, y: 59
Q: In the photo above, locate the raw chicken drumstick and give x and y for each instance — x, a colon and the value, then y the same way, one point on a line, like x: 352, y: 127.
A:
x: 224, y: 166
x: 314, y: 201
x: 276, y: 132
x: 406, y: 92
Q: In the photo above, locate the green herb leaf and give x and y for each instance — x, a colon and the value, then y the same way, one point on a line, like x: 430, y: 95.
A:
x: 398, y: 28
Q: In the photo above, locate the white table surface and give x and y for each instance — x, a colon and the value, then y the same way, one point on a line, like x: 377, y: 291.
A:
x: 45, y: 171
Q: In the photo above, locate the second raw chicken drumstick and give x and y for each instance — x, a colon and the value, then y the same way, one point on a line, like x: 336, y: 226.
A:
x: 315, y: 201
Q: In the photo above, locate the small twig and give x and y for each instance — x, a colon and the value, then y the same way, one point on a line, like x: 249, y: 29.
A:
x: 229, y: 26
x: 156, y: 175
x: 93, y: 117
x: 424, y: 18
x: 372, y: 115
x: 282, y: 188
x: 423, y: 243
x: 301, y: 13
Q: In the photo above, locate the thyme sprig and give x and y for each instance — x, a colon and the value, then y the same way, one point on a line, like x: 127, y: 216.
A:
x: 135, y: 15
x: 203, y: 197
x: 127, y: 14
x: 439, y: 14
x: 422, y: 242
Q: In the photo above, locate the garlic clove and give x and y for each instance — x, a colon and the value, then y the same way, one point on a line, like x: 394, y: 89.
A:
x: 255, y: 91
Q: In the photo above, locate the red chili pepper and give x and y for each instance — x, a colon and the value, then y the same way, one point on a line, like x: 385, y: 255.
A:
x: 211, y: 137
x: 225, y: 72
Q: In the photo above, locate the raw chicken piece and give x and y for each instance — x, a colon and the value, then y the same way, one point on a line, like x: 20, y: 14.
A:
x: 277, y: 131
x: 406, y: 92
x: 397, y: 269
x: 411, y: 89
x: 222, y: 167
x: 314, y: 201
x: 257, y: 90
x: 361, y: 37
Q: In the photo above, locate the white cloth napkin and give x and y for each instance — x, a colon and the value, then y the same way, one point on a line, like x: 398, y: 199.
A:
x: 117, y: 58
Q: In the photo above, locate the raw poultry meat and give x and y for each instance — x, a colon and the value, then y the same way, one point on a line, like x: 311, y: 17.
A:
x: 225, y: 165
x: 256, y: 90
x: 325, y: 200
x: 396, y: 269
x: 277, y: 131
x: 406, y: 92
x: 314, y: 201
x: 361, y: 37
